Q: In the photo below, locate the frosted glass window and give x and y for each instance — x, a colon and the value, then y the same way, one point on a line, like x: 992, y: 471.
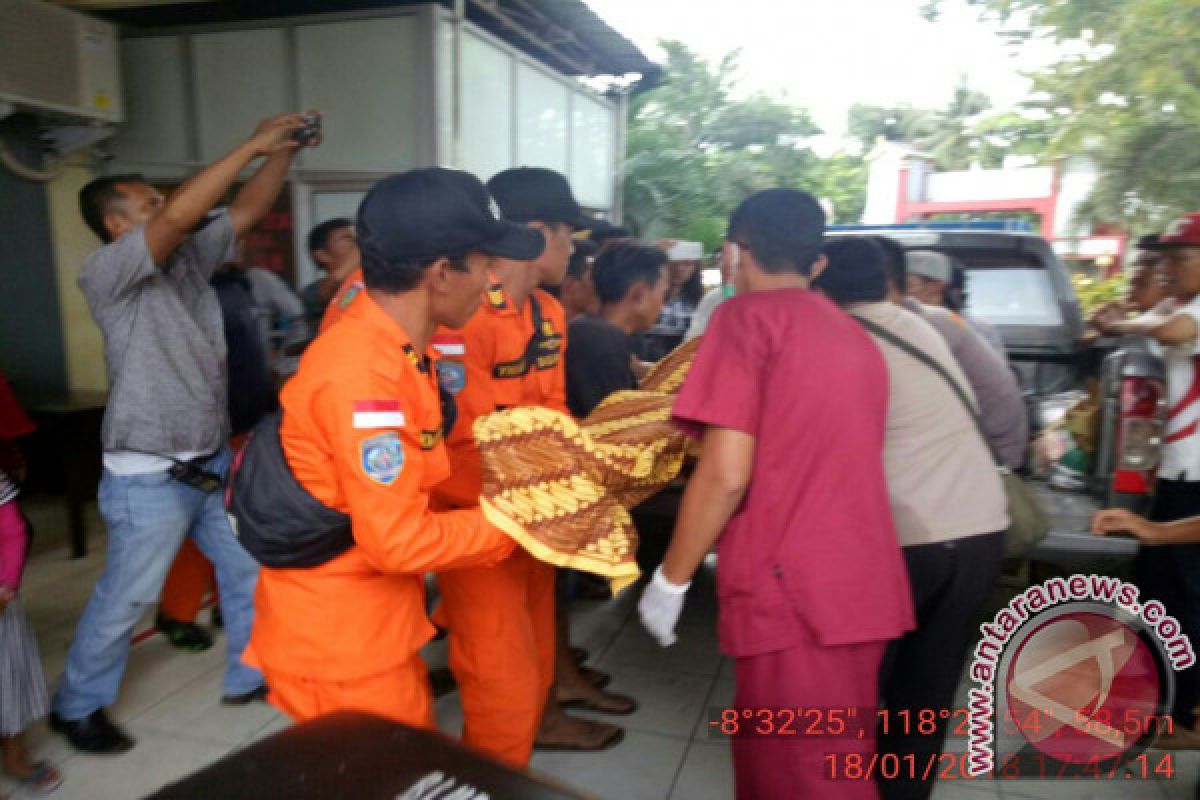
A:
x: 363, y: 76
x: 156, y: 120
x: 444, y: 80
x: 486, y: 108
x: 327, y: 205
x: 541, y: 120
x: 592, y: 156
x: 240, y: 77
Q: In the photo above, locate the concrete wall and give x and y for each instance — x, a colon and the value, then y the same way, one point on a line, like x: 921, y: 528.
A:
x: 883, y: 184
x: 72, y: 241
x: 989, y: 184
x: 1076, y: 182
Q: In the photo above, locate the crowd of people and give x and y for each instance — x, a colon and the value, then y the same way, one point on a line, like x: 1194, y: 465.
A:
x: 851, y: 418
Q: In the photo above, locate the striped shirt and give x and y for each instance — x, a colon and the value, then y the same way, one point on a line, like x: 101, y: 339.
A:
x: 8, y: 489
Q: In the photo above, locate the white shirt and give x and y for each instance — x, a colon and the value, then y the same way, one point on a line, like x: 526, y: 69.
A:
x: 123, y: 462
x: 703, y: 313
x: 1181, y: 444
x: 942, y: 482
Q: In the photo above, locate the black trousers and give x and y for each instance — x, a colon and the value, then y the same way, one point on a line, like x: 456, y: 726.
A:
x: 950, y: 583
x: 1171, y: 575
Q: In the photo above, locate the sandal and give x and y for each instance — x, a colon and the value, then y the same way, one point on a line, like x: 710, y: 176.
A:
x: 595, y: 677
x: 628, y: 705
x: 43, y: 779
x: 608, y: 743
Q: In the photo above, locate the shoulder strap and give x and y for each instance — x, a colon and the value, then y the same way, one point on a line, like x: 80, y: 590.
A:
x: 932, y: 363
x: 528, y: 359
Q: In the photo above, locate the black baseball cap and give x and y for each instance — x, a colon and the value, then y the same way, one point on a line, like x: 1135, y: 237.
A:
x: 435, y: 211
x: 602, y: 230
x: 536, y: 194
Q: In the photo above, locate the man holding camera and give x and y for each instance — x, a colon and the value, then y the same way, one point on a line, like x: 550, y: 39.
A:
x: 166, y: 423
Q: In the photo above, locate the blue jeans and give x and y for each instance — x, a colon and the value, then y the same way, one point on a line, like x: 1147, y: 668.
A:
x: 147, y: 517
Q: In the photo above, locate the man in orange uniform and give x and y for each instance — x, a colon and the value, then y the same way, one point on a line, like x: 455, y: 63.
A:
x: 361, y: 433
x: 351, y: 288
x: 501, y: 619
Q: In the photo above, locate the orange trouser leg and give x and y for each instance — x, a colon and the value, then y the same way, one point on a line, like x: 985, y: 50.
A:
x: 191, y: 577
x: 501, y: 623
x: 401, y: 693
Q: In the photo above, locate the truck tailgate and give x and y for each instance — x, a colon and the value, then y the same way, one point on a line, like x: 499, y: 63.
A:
x: 1070, y: 544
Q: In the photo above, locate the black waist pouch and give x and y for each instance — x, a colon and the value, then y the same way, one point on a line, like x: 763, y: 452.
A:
x: 276, y: 519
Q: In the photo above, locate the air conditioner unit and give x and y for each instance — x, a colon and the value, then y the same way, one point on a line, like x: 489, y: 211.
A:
x: 59, y: 64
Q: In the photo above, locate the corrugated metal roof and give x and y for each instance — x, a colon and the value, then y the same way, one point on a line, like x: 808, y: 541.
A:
x: 565, y: 34
x: 620, y: 55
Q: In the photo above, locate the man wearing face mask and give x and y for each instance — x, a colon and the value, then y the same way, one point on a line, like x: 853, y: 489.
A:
x: 714, y: 297
x: 810, y: 579
x: 166, y: 423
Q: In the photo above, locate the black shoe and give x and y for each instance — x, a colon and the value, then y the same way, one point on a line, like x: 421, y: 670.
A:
x: 258, y: 695
x: 184, y: 635
x: 218, y: 621
x: 95, y: 733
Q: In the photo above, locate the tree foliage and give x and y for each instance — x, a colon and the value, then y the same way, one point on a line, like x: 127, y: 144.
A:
x: 695, y: 149
x: 959, y: 136
x: 1126, y: 92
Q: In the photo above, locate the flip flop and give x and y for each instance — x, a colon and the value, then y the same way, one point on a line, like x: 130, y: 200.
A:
x: 614, y: 739
x: 595, y: 677
x: 44, y: 779
x: 580, y: 704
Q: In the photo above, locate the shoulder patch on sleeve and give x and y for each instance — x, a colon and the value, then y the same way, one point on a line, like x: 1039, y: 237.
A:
x: 452, y: 376
x: 382, y: 457
x: 349, y: 295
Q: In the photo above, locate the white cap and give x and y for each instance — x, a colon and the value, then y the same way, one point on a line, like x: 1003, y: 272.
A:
x: 686, y: 251
x: 929, y: 264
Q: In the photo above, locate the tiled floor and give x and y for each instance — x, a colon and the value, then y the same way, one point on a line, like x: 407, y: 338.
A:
x: 169, y: 702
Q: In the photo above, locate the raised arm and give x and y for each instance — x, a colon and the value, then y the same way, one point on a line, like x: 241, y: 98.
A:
x: 1172, y: 330
x: 200, y: 193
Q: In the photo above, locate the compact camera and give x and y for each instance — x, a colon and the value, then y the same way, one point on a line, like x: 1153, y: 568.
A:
x: 311, y: 130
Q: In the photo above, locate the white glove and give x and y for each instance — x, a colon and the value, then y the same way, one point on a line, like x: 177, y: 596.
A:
x: 660, y: 607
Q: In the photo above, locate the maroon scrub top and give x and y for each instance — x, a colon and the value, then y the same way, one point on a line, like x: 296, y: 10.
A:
x: 812, y: 545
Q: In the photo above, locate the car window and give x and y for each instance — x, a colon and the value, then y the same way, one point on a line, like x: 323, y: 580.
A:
x: 1012, y: 296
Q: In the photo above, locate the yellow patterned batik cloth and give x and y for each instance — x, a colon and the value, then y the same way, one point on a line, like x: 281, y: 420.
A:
x: 563, y: 489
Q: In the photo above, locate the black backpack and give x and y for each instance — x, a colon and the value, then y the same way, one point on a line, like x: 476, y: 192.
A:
x: 275, y: 518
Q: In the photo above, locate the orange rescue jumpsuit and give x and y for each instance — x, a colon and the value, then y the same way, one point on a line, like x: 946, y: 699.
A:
x: 362, y: 432
x: 351, y: 288
x: 501, y: 618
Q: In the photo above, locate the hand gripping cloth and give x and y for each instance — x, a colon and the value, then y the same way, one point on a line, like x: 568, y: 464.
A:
x: 563, y: 489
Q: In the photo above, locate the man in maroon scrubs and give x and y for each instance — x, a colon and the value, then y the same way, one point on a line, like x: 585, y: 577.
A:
x: 790, y: 397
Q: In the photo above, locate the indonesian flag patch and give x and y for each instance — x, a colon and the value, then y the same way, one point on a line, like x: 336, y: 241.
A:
x: 378, y: 414
x: 449, y: 344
